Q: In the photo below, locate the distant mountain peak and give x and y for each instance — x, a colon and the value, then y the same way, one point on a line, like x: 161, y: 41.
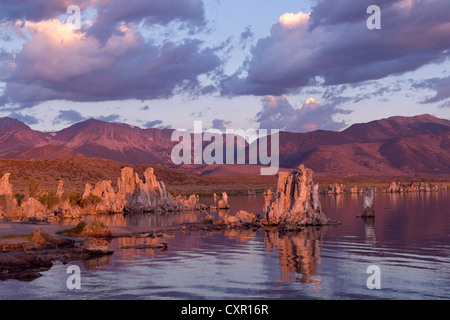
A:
x: 393, y: 145
x: 7, y: 123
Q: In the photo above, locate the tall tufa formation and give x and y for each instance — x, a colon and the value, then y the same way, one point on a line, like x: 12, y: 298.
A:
x: 296, y: 202
x: 367, y: 202
x: 147, y: 194
x: 6, y: 186
x: 136, y: 195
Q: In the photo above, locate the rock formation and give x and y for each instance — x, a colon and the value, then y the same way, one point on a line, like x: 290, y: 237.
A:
x: 191, y: 203
x: 354, y: 190
x: 397, y: 187
x: 296, y: 202
x: 8, y: 204
x: 60, y: 190
x: 268, y: 199
x: 336, y: 189
x: 5, y: 186
x: 367, y: 202
x: 146, y: 195
x: 96, y: 247
x: 32, y: 209
x: 223, y: 203
x: 131, y: 195
x: 136, y: 195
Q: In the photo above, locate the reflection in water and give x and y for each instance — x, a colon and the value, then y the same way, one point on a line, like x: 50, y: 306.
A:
x: 93, y: 263
x: 299, y: 252
x: 241, y: 235
x: 133, y: 253
x: 369, y: 230
x: 411, y: 246
x: 156, y: 219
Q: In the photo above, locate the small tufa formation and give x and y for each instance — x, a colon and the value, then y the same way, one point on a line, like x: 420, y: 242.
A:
x: 33, y: 210
x: 367, y: 202
x: 397, y: 187
x: 223, y: 203
x: 96, y: 247
x: 296, y: 202
x: 336, y: 189
x: 60, y: 190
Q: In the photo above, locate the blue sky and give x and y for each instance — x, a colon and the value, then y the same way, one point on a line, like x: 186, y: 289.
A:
x: 289, y: 65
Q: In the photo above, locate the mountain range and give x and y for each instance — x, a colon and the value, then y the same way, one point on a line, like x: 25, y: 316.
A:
x: 386, y: 147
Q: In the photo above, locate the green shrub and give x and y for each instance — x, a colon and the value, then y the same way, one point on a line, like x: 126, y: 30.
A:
x: 73, y: 198
x: 91, y: 200
x: 49, y: 200
x: 172, y: 193
x: 19, y: 197
x: 76, y: 230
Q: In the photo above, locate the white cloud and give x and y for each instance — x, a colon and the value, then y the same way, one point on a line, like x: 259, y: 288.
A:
x: 292, y: 20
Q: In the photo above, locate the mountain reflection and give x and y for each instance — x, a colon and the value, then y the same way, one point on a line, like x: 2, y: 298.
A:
x: 299, y: 252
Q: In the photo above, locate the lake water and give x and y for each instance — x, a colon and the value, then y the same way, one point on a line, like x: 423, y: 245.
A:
x: 409, y: 240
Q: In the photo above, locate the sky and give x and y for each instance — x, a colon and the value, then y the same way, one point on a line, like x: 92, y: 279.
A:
x: 290, y: 65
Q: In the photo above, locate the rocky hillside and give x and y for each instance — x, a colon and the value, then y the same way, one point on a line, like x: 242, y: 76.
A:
x: 393, y: 146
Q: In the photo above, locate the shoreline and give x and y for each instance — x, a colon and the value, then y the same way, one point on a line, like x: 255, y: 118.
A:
x: 23, y: 258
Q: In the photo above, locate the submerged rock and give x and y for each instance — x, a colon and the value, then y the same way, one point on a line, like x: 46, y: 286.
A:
x: 296, y: 202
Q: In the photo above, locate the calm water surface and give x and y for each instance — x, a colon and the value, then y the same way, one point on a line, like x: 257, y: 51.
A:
x: 409, y: 240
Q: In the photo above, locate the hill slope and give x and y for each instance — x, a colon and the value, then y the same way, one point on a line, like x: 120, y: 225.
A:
x: 393, y: 146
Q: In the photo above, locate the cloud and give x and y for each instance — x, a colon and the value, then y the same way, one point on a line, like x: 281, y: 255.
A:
x: 68, y: 116
x: 220, y: 124
x: 73, y: 116
x: 109, y: 118
x: 446, y: 104
x: 440, y: 85
x: 60, y: 62
x: 246, y: 37
x: 30, y: 120
x: 335, y: 47
x: 310, y: 103
x: 278, y: 113
x: 156, y: 124
x: 36, y: 10
x: 7, y: 64
x: 112, y: 14
x: 152, y: 124
x: 293, y: 20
